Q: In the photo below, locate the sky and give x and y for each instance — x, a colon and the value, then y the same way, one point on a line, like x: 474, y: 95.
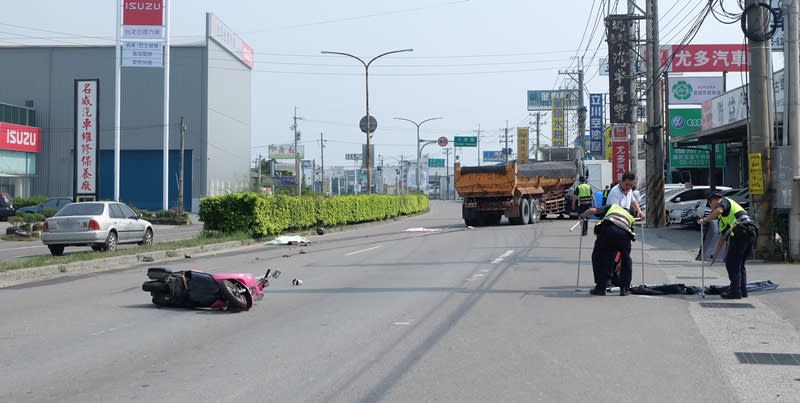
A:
x: 472, y: 61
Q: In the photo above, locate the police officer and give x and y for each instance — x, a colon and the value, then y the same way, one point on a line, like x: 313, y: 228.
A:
x: 614, y: 233
x: 739, y: 230
x: 583, y: 199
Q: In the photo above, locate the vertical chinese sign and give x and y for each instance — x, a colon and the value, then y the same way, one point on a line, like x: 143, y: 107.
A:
x: 522, y: 144
x: 558, y: 122
x: 620, y: 65
x: 596, y: 123
x: 620, y: 152
x: 86, y: 147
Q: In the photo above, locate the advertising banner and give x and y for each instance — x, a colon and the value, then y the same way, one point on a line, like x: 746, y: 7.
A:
x: 694, y: 90
x: 620, y: 65
x: 558, y: 123
x: 229, y: 40
x: 683, y: 122
x: 143, y: 12
x: 620, y: 152
x: 705, y: 58
x: 143, y: 33
x: 142, y: 54
x: 542, y: 100
x: 493, y: 156
x: 20, y: 138
x: 522, y: 144
x: 596, y: 124
x: 283, y: 151
x: 87, y: 150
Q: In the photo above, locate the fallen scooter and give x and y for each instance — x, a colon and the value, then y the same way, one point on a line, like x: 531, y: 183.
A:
x: 197, y: 289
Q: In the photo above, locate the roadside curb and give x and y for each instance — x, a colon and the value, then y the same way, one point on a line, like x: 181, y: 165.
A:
x: 57, y: 271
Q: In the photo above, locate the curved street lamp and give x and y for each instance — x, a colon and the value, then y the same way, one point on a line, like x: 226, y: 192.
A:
x: 366, y: 86
x: 419, y: 151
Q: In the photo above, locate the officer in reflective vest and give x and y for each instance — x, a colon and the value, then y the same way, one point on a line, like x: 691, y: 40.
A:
x: 739, y: 230
x: 583, y: 200
x: 614, y: 234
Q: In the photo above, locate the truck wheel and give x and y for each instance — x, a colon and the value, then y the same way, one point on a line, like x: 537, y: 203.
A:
x: 525, y: 211
x: 536, y: 212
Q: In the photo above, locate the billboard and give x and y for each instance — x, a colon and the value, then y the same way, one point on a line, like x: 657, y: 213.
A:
x: 620, y: 152
x: 86, y: 147
x: 229, y: 40
x: 284, y: 151
x: 143, y: 33
x: 694, y: 90
x: 542, y: 100
x: 143, y: 12
x: 596, y: 124
x: 704, y: 58
x: 522, y: 144
x: 493, y: 156
x: 621, y: 61
x: 20, y: 138
x: 683, y: 122
x: 558, y: 123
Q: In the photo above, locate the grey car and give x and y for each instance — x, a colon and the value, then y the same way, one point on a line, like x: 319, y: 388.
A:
x: 102, y: 225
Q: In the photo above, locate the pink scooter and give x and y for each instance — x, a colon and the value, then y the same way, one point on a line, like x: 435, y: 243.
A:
x: 197, y: 289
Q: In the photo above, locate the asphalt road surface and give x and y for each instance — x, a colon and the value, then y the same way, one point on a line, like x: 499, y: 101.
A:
x: 409, y: 310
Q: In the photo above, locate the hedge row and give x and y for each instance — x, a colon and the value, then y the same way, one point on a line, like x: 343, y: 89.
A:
x: 261, y: 215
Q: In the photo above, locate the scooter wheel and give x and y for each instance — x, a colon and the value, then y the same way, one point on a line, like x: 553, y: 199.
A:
x: 235, y: 294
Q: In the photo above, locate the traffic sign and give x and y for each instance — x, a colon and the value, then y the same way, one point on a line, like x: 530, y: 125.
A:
x: 466, y: 141
x: 436, y: 162
x: 442, y: 142
x: 352, y: 157
x: 373, y: 124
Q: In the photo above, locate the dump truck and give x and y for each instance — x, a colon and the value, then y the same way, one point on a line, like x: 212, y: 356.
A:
x: 523, y: 192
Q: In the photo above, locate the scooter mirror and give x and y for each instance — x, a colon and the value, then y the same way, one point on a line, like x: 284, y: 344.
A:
x: 276, y: 273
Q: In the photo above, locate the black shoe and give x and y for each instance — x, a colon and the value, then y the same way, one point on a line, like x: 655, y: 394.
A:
x: 730, y: 295
x: 623, y: 291
x: 597, y: 291
x: 744, y: 293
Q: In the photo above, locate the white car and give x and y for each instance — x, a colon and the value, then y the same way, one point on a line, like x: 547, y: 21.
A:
x: 686, y: 199
x: 102, y: 225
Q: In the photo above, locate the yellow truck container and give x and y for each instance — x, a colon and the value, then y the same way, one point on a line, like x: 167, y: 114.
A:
x: 523, y: 192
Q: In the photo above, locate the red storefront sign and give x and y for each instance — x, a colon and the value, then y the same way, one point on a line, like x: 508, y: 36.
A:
x: 705, y: 58
x: 620, y: 152
x: 143, y: 12
x: 20, y: 138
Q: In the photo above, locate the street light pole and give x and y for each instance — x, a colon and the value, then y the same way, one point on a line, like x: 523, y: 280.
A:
x: 366, y: 87
x: 419, y: 151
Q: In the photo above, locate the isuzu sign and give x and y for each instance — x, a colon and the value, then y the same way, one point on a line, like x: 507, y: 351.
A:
x: 143, y: 12
x: 20, y: 138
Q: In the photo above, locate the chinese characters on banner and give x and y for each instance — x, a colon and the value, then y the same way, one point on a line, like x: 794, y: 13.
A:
x: 558, y: 122
x: 522, y: 144
x: 86, y: 147
x: 620, y: 152
x: 704, y: 58
x: 596, y: 123
x: 620, y: 65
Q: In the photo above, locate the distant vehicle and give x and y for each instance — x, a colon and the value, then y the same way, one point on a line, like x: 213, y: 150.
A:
x: 55, y: 202
x: 681, y: 205
x: 6, y: 207
x: 102, y: 225
x: 701, y: 209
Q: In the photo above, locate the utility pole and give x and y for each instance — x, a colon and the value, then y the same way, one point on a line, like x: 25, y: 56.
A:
x: 760, y: 121
x: 446, y: 152
x: 539, y: 123
x: 577, y: 76
x: 505, y: 148
x: 322, y: 161
x: 478, y: 133
x: 297, y: 177
x: 791, y: 129
x: 655, y: 149
x: 179, y: 207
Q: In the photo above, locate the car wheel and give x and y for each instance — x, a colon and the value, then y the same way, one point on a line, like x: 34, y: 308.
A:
x: 148, y: 238
x: 111, y: 241
x: 56, y: 250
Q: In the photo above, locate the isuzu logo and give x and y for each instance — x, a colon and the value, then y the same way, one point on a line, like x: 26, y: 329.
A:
x: 20, y: 138
x: 27, y: 138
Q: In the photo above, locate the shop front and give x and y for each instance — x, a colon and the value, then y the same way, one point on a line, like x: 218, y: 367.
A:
x: 20, y: 144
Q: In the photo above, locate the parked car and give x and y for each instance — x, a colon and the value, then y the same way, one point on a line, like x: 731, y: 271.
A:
x: 55, y: 202
x: 685, y: 199
x: 102, y: 225
x: 6, y: 206
x: 701, y: 209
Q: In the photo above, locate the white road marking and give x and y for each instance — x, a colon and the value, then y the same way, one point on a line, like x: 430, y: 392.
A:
x: 363, y: 250
x: 503, y: 256
x: 402, y: 323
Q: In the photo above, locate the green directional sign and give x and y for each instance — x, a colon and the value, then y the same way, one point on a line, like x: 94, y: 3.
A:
x: 436, y: 162
x: 465, y: 141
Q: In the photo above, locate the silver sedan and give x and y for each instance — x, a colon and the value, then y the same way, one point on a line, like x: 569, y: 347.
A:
x: 101, y: 225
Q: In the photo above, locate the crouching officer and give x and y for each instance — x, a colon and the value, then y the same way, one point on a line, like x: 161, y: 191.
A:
x: 583, y: 199
x: 614, y: 234
x: 738, y: 229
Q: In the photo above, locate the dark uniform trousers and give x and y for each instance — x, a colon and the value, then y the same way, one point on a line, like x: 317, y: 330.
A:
x: 610, y: 239
x: 585, y: 225
x: 740, y: 247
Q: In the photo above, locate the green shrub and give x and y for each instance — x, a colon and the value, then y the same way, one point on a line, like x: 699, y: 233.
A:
x: 20, y: 202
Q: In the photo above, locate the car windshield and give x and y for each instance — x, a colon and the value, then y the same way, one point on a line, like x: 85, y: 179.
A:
x: 81, y: 209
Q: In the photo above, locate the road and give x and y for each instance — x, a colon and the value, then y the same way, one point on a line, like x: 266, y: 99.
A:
x: 409, y: 310
x: 11, y: 251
